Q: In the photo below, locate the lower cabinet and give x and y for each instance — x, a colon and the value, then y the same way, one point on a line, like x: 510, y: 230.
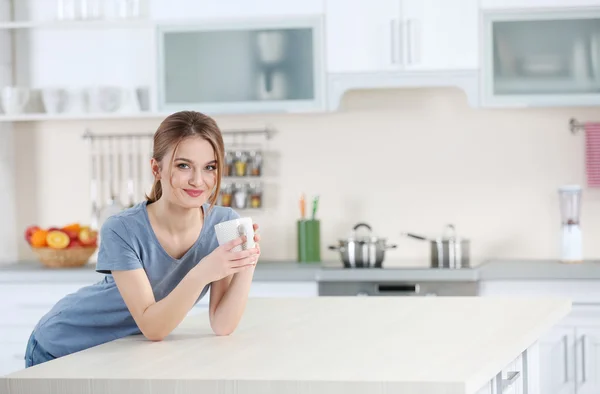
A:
x: 569, y: 354
x: 570, y: 360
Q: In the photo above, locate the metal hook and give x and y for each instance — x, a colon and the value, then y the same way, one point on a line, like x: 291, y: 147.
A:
x: 574, y: 125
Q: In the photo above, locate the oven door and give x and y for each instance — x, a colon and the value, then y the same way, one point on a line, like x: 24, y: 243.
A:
x: 398, y: 289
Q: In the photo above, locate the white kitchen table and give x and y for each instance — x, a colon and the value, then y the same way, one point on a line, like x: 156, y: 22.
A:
x: 424, y: 345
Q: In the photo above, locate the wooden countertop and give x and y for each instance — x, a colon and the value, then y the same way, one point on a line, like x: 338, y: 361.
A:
x: 425, y: 345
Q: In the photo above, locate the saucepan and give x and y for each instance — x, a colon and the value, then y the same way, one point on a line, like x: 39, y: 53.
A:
x: 448, y: 251
x: 362, y: 251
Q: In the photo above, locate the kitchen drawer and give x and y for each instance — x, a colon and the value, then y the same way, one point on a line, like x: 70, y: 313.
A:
x: 510, y: 380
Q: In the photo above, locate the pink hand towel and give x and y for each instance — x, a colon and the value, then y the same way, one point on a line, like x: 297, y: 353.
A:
x: 592, y: 154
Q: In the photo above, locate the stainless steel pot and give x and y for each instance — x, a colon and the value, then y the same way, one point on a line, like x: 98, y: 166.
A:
x: 448, y: 251
x: 362, y: 251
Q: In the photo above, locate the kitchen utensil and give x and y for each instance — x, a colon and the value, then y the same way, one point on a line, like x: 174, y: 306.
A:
x: 130, y: 185
x: 365, y: 251
x: 232, y: 229
x: 113, y: 205
x: 271, y: 46
x: 448, y: 251
x: 94, y: 187
x: 302, y: 206
x: 570, y: 208
x: 315, y: 204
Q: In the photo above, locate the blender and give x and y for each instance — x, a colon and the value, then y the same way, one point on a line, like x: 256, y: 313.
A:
x: 570, y: 207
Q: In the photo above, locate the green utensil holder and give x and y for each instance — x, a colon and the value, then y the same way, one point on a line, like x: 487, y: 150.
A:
x: 309, y: 241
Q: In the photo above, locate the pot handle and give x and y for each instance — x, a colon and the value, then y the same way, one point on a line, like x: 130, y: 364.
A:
x: 391, y: 246
x: 357, y: 226
x: 333, y: 247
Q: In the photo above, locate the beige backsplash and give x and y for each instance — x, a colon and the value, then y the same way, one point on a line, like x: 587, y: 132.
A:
x: 400, y: 160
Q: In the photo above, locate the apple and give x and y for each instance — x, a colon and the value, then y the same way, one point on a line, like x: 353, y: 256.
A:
x: 75, y: 243
x: 87, y: 237
x: 30, y: 230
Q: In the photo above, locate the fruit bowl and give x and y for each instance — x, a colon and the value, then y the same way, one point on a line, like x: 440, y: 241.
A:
x: 68, y: 246
x: 64, y: 258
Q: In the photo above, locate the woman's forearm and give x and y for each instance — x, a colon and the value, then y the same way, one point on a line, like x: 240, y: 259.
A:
x: 162, y: 317
x: 231, y: 307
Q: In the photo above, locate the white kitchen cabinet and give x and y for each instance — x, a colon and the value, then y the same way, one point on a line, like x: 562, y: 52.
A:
x: 569, y: 355
x: 441, y: 34
x: 253, y: 65
x: 557, y: 361
x: 541, y: 57
x: 536, y: 4
x: 401, y: 35
x: 363, y: 36
x: 226, y: 9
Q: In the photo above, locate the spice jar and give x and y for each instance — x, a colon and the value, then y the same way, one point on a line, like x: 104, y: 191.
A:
x: 255, y: 163
x: 226, y: 194
x: 241, y: 161
x: 240, y: 195
x: 255, y: 195
x: 228, y: 167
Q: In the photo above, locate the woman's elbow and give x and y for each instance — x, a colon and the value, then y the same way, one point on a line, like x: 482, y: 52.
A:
x: 154, y: 335
x: 222, y: 331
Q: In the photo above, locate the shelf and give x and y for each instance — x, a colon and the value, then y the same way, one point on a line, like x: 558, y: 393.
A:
x: 83, y: 24
x: 40, y: 117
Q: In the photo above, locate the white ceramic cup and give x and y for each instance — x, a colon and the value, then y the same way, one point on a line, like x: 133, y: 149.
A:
x: 232, y: 229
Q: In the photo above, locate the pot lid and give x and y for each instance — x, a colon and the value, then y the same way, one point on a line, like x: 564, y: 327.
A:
x: 362, y: 236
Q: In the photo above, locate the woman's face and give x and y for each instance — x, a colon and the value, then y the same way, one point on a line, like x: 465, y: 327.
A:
x: 193, y: 174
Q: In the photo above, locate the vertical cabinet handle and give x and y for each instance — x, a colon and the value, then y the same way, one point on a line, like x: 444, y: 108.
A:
x: 583, y: 363
x: 412, y: 43
x: 393, y: 41
x: 566, y: 350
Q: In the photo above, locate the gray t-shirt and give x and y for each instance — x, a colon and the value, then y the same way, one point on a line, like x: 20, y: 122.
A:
x: 97, y: 314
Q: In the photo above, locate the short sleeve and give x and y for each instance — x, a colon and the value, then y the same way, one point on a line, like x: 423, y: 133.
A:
x: 233, y: 214
x: 116, y: 252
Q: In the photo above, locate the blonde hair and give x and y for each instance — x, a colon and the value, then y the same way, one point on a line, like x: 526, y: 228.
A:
x: 177, y: 127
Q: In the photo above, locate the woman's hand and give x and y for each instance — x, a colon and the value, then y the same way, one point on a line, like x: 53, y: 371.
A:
x: 256, y: 238
x: 222, y: 262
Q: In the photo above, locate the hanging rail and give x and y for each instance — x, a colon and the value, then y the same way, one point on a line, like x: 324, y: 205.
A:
x: 575, y: 126
x: 267, y: 131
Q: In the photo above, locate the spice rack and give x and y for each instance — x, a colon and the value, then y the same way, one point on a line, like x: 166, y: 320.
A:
x: 242, y: 187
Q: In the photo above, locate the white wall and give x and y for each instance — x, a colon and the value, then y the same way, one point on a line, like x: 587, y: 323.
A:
x: 400, y: 160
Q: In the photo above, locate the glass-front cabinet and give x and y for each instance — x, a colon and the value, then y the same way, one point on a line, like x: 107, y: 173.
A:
x: 543, y: 58
x: 242, y: 67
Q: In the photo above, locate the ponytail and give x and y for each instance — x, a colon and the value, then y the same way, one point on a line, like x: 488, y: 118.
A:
x: 155, y: 193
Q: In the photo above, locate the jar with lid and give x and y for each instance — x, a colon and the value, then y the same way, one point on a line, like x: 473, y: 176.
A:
x: 229, y: 160
x: 241, y: 162
x: 255, y: 195
x: 226, y: 194
x: 240, y: 195
x: 255, y: 163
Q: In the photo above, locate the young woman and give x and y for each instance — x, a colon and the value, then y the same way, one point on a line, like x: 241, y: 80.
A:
x: 161, y: 256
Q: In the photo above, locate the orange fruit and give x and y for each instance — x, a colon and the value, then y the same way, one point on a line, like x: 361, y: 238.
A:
x: 57, y: 239
x: 73, y: 227
x: 38, y: 238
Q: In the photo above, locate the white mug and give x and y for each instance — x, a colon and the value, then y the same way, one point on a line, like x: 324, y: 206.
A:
x: 232, y: 229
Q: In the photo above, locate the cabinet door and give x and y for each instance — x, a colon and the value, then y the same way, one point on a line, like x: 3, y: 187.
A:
x: 363, y: 36
x: 228, y: 9
x: 557, y: 361
x: 588, y: 360
x: 441, y: 34
x: 542, y: 58
x: 532, y: 4
x: 249, y: 66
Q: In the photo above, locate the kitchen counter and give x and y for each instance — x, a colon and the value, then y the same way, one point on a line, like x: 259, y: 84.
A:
x: 427, y: 345
x: 284, y: 271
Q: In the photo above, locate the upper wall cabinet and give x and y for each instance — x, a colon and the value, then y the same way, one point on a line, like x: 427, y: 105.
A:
x: 541, y: 58
x: 236, y: 9
x: 253, y: 65
x: 401, y: 35
x: 536, y: 4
